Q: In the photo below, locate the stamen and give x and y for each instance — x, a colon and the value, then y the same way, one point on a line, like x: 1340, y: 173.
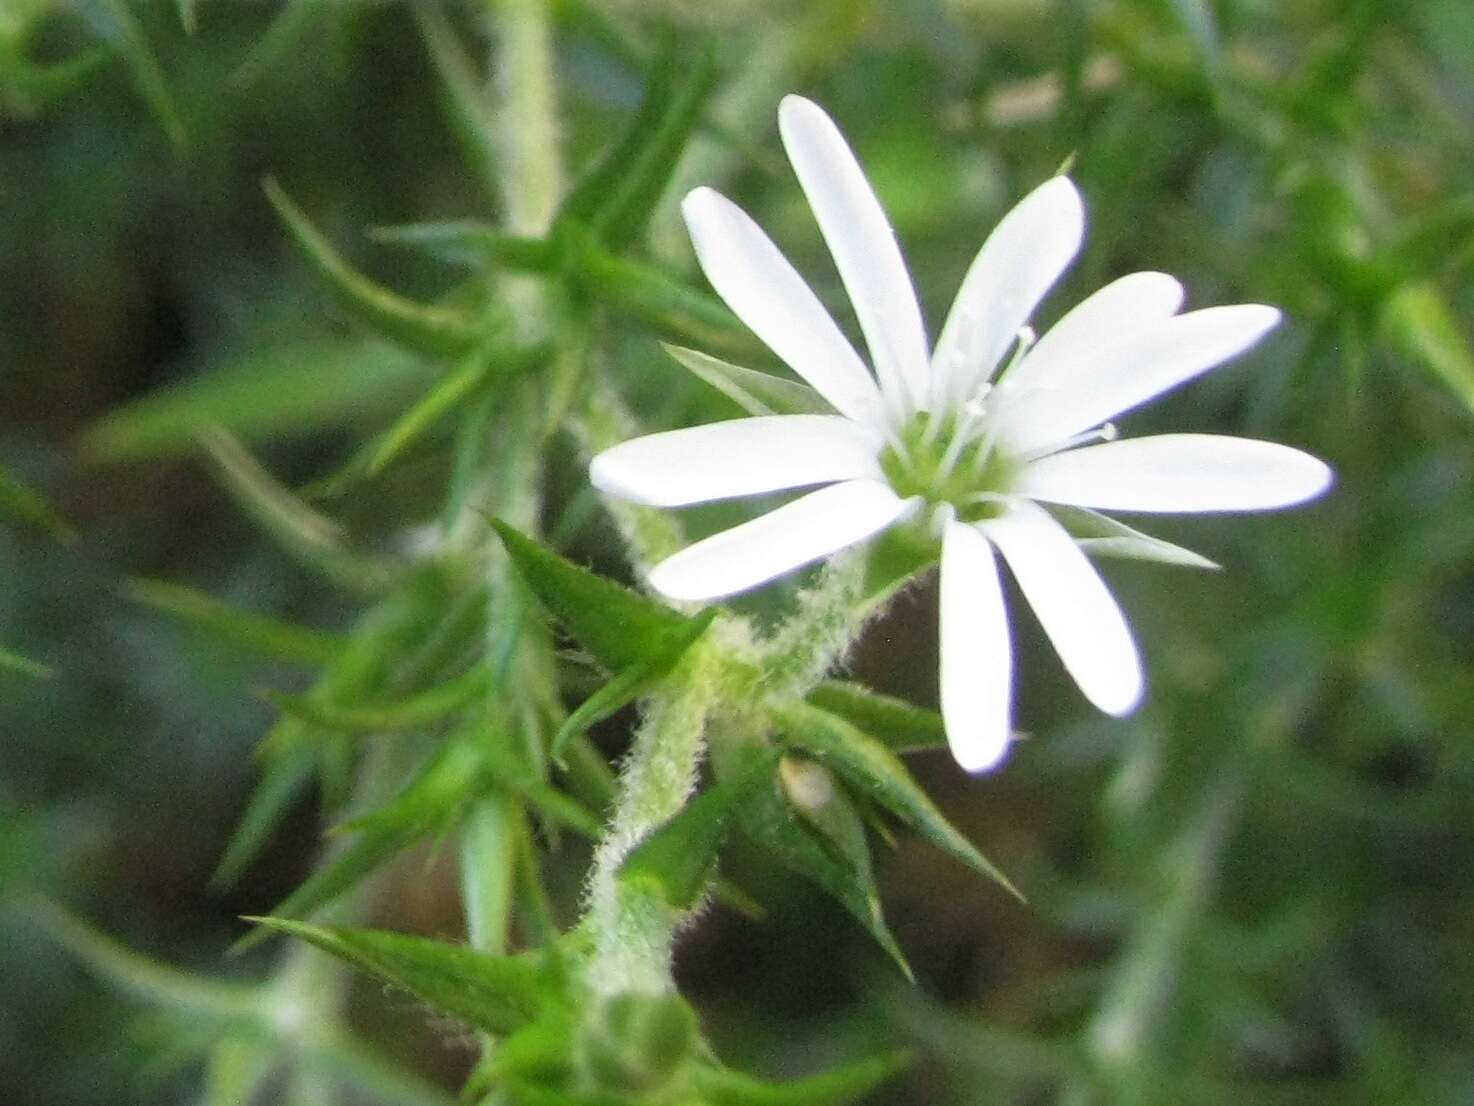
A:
x: 1105, y: 432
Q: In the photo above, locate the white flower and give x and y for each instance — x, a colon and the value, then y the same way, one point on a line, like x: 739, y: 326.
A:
x: 946, y: 438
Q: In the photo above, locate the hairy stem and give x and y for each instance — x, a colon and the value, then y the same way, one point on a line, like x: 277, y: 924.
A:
x: 632, y: 929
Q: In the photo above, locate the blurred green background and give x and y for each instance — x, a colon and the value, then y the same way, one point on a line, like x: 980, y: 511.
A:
x: 1258, y: 889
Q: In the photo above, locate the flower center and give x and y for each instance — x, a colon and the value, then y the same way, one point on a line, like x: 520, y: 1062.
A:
x: 952, y: 459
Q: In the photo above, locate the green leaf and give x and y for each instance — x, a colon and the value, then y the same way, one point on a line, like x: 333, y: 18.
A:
x: 268, y: 636
x: 136, y: 974
x: 721, y: 1087
x: 19, y: 500
x: 678, y: 859
x: 288, y: 389
x: 285, y: 779
x: 471, y: 243
x: 117, y: 24
x: 879, y: 775
x: 422, y: 709
x: 498, y: 994
x: 631, y: 683
x: 311, y: 537
x: 288, y: 27
x: 820, y: 836
x: 463, y: 96
x: 14, y: 662
x: 417, y: 326
x: 235, y: 1070
x: 757, y: 393
x: 429, y: 804
x: 1417, y: 322
x: 903, y: 728
x: 615, y: 198
x: 618, y: 626
x: 1102, y: 536
x: 670, y: 307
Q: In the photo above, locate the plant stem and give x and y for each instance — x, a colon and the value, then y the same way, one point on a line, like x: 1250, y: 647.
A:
x: 632, y: 929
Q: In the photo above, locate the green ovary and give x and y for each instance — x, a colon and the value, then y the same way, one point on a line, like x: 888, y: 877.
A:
x: 979, y: 468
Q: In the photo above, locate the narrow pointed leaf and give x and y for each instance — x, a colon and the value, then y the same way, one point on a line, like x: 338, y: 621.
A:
x: 27, y: 505
x: 32, y: 87
x: 422, y: 327
x: 444, y: 396
x: 667, y: 305
x: 623, y: 217
x: 429, y: 804
x: 136, y: 974
x: 287, y: 389
x: 618, y: 626
x: 258, y: 633
x: 721, y: 1087
x: 495, y: 994
x: 463, y: 95
x: 116, y: 23
x: 616, y: 196
x: 471, y: 243
x: 878, y: 773
x: 901, y: 727
x: 314, y: 539
x: 1102, y: 536
x: 1418, y: 323
x: 631, y: 683
x: 757, y: 393
x: 679, y: 859
x: 423, y: 709
x: 14, y: 662
x: 284, y: 780
x: 288, y: 27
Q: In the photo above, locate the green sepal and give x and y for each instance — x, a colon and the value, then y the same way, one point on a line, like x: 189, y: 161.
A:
x: 616, y: 198
x: 422, y: 709
x: 631, y: 683
x: 291, y: 388
x: 825, y: 844
x: 268, y: 636
x: 895, y: 558
x: 471, y: 243
x: 722, y: 1087
x: 877, y: 773
x: 900, y: 726
x: 429, y: 329
x: 620, y: 627
x: 19, y: 500
x: 679, y: 858
x: 1102, y: 536
x: 757, y: 393
x: 497, y: 994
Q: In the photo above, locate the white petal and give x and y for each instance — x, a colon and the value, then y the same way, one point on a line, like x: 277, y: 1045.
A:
x: 1124, y: 374
x: 976, y: 658
x: 1123, y: 307
x: 805, y: 530
x: 739, y: 457
x: 1178, y: 472
x: 864, y: 248
x: 1073, y: 605
x: 1018, y: 264
x: 765, y: 291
